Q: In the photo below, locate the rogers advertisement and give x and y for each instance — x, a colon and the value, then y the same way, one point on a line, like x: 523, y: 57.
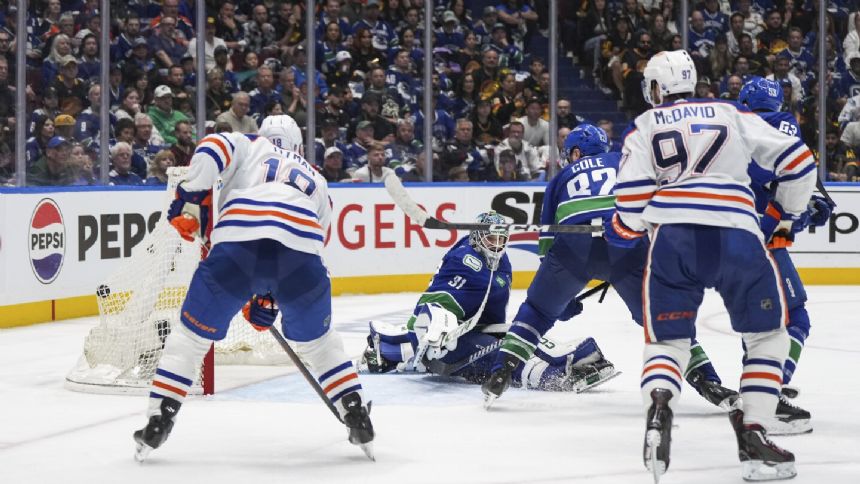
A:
x: 62, y: 243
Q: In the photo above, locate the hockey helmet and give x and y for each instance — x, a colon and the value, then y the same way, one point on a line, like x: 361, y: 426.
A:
x: 490, y: 243
x: 283, y: 132
x: 673, y: 72
x: 761, y: 94
x: 590, y: 139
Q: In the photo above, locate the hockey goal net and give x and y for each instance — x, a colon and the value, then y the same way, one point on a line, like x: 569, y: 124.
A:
x: 138, y: 306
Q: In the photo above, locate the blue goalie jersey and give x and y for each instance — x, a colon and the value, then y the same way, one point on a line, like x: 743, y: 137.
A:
x: 580, y: 194
x: 460, y: 284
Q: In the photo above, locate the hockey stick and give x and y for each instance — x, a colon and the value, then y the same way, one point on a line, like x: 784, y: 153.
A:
x: 820, y: 186
x: 305, y: 372
x: 438, y: 367
x: 401, y: 197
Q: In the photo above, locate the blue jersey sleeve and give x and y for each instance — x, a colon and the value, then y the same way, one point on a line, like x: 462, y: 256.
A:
x: 761, y: 179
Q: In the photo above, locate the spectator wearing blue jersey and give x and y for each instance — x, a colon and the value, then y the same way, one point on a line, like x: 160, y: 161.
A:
x: 701, y: 39
x: 450, y: 35
x: 37, y: 144
x: 299, y: 68
x: 849, y: 85
x: 121, y: 174
x: 401, y: 77
x: 157, y: 173
x: 263, y: 94
x: 124, y: 42
x: 90, y: 64
x: 484, y: 27
x: 801, y: 60
x: 331, y: 14
x: 383, y: 34
x: 461, y: 152
x: 329, y: 47
x: 329, y: 138
x: 356, y: 153
x: 715, y: 20
x: 88, y: 121
x: 405, y: 148
x: 509, y: 55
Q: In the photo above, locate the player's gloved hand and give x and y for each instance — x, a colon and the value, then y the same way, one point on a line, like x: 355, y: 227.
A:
x: 620, y: 235
x: 189, y: 213
x: 820, y: 210
x: 261, y: 312
x: 572, y: 309
x: 779, y: 227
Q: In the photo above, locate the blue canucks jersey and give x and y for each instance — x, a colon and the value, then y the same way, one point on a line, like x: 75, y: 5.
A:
x: 761, y: 178
x: 579, y: 194
x: 461, y: 281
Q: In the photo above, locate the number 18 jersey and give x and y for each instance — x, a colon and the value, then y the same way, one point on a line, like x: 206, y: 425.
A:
x: 267, y: 192
x: 686, y: 162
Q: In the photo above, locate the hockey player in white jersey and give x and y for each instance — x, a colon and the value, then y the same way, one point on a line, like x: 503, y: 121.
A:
x: 273, y: 214
x: 683, y: 181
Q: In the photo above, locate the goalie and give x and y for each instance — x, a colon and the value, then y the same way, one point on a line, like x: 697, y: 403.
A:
x: 457, y: 326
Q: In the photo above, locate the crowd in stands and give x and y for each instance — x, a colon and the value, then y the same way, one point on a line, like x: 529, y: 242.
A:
x: 490, y: 95
x: 730, y: 41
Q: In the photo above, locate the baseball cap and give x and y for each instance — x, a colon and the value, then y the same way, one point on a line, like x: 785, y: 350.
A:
x: 162, y: 91
x: 64, y: 120
x: 342, y: 56
x: 66, y: 59
x: 328, y: 121
x: 489, y: 10
x: 186, y: 56
x: 498, y: 26
x: 364, y: 124
x: 450, y: 16
x: 138, y: 41
x: 704, y: 80
x: 300, y: 48
x: 57, y: 141
x: 332, y: 151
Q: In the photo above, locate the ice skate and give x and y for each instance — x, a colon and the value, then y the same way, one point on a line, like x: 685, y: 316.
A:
x: 713, y: 392
x: 582, y: 378
x: 357, y: 421
x: 157, y: 430
x: 371, y: 360
x: 499, y: 381
x: 658, y: 433
x: 761, y: 459
x: 790, y: 419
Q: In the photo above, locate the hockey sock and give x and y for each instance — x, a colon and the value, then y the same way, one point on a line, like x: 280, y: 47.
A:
x: 334, y: 370
x: 699, y: 359
x: 662, y: 369
x: 761, y: 380
x: 798, y: 331
x: 178, y: 367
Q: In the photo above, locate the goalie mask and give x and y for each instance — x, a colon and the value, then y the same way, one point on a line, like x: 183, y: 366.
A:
x: 490, y: 243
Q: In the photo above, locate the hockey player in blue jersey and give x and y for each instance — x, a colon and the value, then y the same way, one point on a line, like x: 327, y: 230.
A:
x: 580, y: 194
x: 684, y: 185
x: 458, y: 322
x: 273, y: 212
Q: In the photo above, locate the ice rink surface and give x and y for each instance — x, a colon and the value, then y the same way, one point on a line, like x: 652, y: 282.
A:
x: 266, y: 425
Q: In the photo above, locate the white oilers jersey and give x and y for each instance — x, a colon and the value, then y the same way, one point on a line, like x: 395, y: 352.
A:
x: 267, y: 192
x: 686, y: 162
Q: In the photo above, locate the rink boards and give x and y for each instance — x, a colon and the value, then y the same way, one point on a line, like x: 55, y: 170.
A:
x: 57, y: 245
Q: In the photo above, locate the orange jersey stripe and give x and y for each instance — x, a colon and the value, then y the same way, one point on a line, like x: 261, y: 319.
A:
x: 171, y: 388
x: 333, y: 385
x: 661, y: 366
x: 709, y: 196
x: 762, y: 375
x: 634, y: 198
x: 220, y: 144
x: 273, y: 213
x: 806, y: 154
x: 772, y: 212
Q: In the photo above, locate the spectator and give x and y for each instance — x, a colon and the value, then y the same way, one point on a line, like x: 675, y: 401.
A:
x: 632, y: 67
x: 183, y: 149
x: 121, y: 174
x: 176, y: 82
x: 7, y: 159
x: 164, y: 117
x: 607, y: 126
x: 139, y: 63
x: 64, y: 125
x: 384, y: 91
x: 469, y: 55
x: 228, y: 28
x: 90, y: 65
x: 782, y: 70
x: 661, y: 36
x: 507, y: 168
x: 356, y: 152
x: 487, y: 77
x: 536, y: 129
x: 415, y: 172
x: 757, y: 61
x: 170, y: 8
x: 299, y: 68
x: 508, y: 101
x: 130, y: 104
x: 60, y: 49
x: 329, y: 47
x: 259, y: 34
x: 383, y: 130
x: 464, y: 100
x: 383, y: 34
x: 364, y: 56
x: 292, y: 96
x: 375, y: 170
x: 443, y: 126
x: 401, y: 79
x: 332, y: 167
x: 733, y: 36
x: 329, y: 130
x: 800, y: 60
x: 212, y: 43
x: 334, y: 107
x: 157, y: 175
x: 81, y: 166
x: 331, y: 15
x: 264, y: 93
x: 218, y: 100
x: 753, y: 21
x: 703, y: 89
x: 701, y: 38
x: 486, y: 129
x: 71, y: 90
x: 87, y: 124
x: 50, y: 109
x: 145, y: 145
x: 840, y: 157
x: 7, y: 96
x: 544, y: 151
x: 531, y: 85
x: 342, y: 72
x: 237, y: 116
x: 458, y: 174
x: 734, y: 88
x: 52, y: 169
x: 461, y: 152
x: 565, y: 116
x: 527, y: 161
x: 774, y: 38
x: 164, y: 44
x: 405, y: 148
x: 450, y: 36
x: 593, y: 30
x: 509, y: 55
x: 851, y: 44
x: 484, y: 27
x: 715, y: 20
x: 121, y: 47
x: 43, y: 133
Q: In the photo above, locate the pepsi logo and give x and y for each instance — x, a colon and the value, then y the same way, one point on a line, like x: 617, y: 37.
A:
x: 47, y: 241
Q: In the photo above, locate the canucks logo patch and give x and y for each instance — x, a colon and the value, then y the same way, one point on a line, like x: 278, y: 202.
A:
x: 473, y: 263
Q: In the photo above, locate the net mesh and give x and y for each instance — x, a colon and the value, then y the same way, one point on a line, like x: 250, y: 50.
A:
x: 138, y: 306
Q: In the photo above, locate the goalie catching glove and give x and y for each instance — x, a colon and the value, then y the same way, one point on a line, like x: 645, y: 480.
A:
x: 189, y: 213
x: 261, y: 312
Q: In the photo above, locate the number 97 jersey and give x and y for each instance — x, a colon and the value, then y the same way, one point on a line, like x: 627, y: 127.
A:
x: 267, y: 192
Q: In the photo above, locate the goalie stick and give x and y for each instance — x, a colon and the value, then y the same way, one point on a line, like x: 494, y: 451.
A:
x: 438, y: 367
x: 401, y: 197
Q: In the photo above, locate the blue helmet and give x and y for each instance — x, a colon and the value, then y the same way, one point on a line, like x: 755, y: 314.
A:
x: 761, y: 94
x: 590, y: 140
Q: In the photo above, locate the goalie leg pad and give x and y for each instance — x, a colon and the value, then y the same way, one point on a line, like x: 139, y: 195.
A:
x: 177, y: 368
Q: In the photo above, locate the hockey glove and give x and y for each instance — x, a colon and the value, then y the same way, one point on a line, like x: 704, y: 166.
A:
x: 189, y: 213
x: 819, y: 210
x: 779, y: 227
x: 261, y: 312
x: 620, y: 235
x: 572, y: 309
x: 432, y: 328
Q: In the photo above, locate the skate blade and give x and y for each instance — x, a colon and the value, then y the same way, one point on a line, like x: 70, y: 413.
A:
x: 603, y: 379
x: 141, y: 452
x: 794, y: 427
x: 488, y: 400
x: 656, y: 466
x: 756, y: 471
x: 368, y: 450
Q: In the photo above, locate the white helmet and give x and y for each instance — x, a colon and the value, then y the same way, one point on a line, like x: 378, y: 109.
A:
x: 283, y: 132
x: 674, y: 73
